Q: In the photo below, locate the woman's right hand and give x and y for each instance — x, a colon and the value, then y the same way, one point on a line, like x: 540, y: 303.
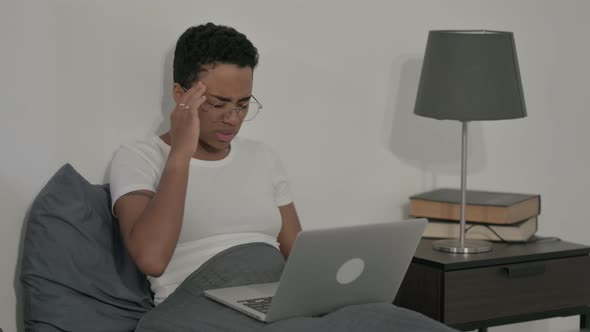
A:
x: 184, y: 122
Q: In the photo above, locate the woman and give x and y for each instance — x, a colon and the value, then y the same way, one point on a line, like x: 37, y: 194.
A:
x: 197, y: 190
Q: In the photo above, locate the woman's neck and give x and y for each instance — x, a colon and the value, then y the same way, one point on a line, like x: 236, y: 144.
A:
x: 207, y: 152
x: 204, y: 151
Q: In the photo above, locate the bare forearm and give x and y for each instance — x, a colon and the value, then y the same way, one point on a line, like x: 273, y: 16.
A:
x: 155, y: 234
x: 289, y: 229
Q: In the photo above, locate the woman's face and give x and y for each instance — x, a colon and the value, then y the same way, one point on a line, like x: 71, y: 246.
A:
x: 229, y: 84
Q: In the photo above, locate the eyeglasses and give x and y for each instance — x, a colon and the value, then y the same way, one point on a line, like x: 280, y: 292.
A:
x: 246, y: 112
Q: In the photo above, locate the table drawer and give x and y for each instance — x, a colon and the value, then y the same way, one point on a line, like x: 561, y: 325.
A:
x: 515, y: 289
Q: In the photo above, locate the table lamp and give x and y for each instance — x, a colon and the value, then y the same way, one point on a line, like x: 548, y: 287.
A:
x: 469, y: 75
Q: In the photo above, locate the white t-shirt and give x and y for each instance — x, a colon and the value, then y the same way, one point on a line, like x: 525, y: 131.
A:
x: 228, y: 202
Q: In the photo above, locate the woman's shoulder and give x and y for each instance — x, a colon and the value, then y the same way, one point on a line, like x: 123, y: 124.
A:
x: 152, y: 150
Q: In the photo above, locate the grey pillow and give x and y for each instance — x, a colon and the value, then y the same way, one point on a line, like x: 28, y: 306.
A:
x: 76, y: 273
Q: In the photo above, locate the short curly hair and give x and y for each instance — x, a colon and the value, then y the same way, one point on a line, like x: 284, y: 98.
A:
x: 210, y: 44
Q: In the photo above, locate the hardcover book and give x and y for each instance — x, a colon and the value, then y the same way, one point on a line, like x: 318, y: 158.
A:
x: 481, y: 206
x: 447, y: 229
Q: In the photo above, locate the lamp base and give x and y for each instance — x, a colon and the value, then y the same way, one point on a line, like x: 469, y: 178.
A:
x: 469, y: 246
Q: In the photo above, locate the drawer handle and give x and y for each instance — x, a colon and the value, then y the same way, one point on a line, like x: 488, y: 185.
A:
x: 524, y: 271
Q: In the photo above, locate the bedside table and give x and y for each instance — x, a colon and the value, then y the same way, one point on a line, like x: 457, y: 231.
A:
x: 512, y: 283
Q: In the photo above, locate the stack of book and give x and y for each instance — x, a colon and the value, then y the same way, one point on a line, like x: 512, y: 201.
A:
x: 491, y: 216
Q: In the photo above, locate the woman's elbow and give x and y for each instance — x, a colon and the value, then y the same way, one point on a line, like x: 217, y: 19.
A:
x: 151, y: 266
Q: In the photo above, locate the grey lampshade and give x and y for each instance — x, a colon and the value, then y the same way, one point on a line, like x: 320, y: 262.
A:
x: 470, y: 75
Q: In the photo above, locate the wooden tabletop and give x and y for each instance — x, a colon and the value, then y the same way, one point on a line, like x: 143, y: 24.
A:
x: 502, y: 253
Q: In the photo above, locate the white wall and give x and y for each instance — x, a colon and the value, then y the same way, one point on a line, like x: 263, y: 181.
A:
x: 337, y: 80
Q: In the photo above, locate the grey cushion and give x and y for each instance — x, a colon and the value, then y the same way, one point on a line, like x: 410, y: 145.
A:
x: 76, y: 273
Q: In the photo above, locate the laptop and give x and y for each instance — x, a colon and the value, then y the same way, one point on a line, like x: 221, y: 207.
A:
x: 332, y: 268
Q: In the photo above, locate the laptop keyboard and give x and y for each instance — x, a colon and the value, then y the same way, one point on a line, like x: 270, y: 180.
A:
x: 260, y: 304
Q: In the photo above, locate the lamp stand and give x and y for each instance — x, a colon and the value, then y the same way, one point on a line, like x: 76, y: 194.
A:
x: 461, y: 245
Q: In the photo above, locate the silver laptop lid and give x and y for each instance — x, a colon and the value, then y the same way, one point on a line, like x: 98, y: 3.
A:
x: 331, y: 268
